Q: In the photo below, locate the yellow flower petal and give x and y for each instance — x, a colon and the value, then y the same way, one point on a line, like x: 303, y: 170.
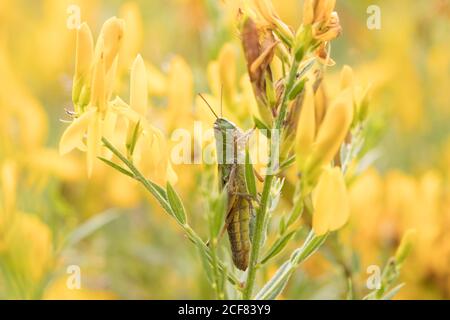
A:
x: 94, y: 136
x: 171, y: 175
x: 320, y: 103
x: 73, y: 135
x: 330, y: 201
x: 308, y: 12
x: 84, y: 51
x: 98, y: 93
x: 306, y: 128
x: 332, y: 131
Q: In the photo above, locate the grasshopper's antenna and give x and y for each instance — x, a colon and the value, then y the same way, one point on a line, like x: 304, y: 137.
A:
x: 209, y: 106
x: 221, y: 100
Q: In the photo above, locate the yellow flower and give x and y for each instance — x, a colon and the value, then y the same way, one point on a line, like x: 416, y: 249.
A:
x: 267, y: 11
x: 111, y: 35
x: 238, y: 104
x: 317, y: 11
x: 332, y: 131
x: 148, y: 148
x: 330, y: 201
x: 95, y: 120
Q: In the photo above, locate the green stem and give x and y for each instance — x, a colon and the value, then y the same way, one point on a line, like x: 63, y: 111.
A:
x: 257, y: 237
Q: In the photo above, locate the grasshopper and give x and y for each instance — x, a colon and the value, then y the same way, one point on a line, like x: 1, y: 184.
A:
x: 230, y: 146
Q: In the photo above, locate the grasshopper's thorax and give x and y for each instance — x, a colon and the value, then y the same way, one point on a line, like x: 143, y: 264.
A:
x: 229, y: 145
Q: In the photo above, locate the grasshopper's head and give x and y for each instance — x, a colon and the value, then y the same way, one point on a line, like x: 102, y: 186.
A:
x: 224, y: 128
x: 224, y: 132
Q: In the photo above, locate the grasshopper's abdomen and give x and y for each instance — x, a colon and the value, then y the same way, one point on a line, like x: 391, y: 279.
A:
x: 239, y: 233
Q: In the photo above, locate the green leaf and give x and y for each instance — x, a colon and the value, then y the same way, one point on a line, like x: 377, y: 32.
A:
x: 282, y: 225
x: 158, y: 189
x: 206, y: 264
x: 296, y: 212
x: 117, y: 167
x: 134, y: 139
x: 249, y: 175
x: 278, y: 246
x: 176, y: 204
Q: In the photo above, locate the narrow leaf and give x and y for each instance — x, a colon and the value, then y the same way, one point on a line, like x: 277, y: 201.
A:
x: 218, y: 208
x: 298, y: 87
x: 134, y: 139
x: 89, y: 227
x: 117, y: 167
x: 276, y: 284
x: 176, y: 204
x: 287, y: 163
x: 393, y: 292
x: 278, y: 246
x: 262, y: 127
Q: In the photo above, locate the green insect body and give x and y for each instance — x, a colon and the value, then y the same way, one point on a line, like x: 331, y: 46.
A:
x: 230, y: 153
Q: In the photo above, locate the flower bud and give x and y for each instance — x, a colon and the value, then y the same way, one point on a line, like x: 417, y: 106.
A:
x: 405, y: 246
x: 112, y: 34
x: 139, y: 86
x: 84, y: 51
x: 83, y: 63
x: 306, y: 127
x: 332, y: 131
